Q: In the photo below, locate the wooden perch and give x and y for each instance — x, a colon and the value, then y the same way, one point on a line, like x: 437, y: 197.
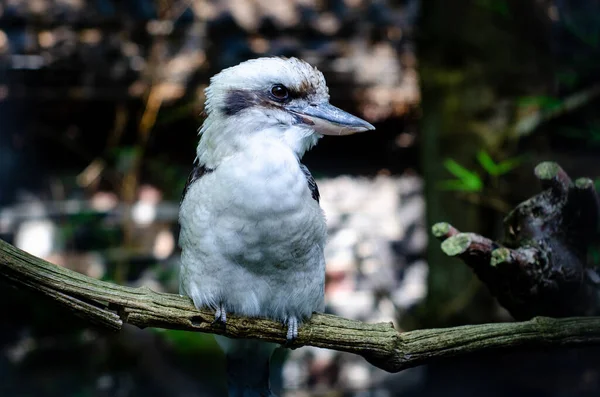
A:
x: 540, y: 268
x: 111, y: 306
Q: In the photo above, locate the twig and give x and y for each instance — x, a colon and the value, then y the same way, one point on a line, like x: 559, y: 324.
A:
x: 529, y: 124
x: 112, y: 305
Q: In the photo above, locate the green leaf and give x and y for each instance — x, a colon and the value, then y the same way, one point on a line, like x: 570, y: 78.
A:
x: 467, y: 180
x: 544, y: 102
x: 453, y: 185
x: 487, y: 162
x: 458, y: 170
x: 506, y: 166
x: 497, y: 169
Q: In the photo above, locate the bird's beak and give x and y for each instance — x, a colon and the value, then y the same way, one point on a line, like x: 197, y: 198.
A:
x: 326, y: 119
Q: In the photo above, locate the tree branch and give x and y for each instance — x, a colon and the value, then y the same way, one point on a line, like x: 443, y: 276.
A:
x: 540, y: 268
x: 111, y: 306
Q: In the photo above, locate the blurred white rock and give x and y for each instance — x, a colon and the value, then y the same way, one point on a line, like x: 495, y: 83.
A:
x: 375, y: 270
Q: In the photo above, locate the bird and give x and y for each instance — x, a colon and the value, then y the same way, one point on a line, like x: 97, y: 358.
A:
x: 252, y: 232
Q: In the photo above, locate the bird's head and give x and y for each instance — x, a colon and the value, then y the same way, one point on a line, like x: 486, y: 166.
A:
x: 285, y: 99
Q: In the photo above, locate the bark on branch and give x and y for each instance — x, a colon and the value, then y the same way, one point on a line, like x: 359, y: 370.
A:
x: 111, y: 306
x: 541, y: 266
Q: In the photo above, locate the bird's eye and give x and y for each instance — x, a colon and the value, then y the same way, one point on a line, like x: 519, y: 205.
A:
x: 280, y: 92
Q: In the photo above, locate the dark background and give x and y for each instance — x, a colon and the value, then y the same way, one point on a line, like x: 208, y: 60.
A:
x: 100, y: 103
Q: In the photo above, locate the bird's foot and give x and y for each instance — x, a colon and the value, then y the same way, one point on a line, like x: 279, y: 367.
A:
x: 220, y: 315
x: 292, y: 331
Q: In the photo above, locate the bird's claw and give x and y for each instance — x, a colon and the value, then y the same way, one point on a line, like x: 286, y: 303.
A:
x: 292, y: 331
x: 220, y: 315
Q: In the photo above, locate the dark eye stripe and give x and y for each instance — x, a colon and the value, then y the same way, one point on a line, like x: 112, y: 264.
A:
x: 238, y: 100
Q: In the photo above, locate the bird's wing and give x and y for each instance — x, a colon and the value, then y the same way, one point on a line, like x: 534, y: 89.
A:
x: 198, y: 172
x: 312, y: 184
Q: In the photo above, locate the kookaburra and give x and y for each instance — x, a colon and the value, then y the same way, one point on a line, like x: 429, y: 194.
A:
x: 252, y: 231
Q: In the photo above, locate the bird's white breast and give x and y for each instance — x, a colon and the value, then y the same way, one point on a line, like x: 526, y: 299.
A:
x: 252, y: 236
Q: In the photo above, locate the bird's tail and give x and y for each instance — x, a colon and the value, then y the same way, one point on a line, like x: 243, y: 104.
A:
x: 247, y: 366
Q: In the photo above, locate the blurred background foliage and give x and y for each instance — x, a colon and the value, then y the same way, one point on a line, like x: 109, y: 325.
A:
x: 100, y: 103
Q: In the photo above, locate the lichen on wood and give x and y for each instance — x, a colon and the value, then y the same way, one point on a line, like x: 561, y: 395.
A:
x: 110, y: 306
x: 540, y: 267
